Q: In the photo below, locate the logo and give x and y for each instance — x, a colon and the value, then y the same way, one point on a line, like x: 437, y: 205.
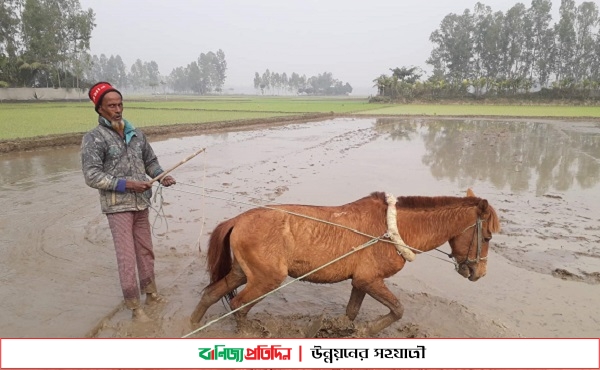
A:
x: 261, y: 352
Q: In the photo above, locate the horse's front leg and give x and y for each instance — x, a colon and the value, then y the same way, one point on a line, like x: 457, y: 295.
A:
x: 356, y: 300
x: 382, y: 294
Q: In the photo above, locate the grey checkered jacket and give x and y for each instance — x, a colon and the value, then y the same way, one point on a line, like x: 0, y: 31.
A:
x: 106, y: 158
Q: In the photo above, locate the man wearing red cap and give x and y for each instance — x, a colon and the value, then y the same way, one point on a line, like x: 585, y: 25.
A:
x: 116, y: 159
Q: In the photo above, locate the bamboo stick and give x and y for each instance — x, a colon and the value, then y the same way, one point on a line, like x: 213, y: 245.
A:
x: 159, y: 177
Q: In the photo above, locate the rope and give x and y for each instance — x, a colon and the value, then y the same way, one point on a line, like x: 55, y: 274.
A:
x: 203, y: 206
x: 285, y: 211
x: 291, y: 213
x: 372, y: 241
x: 392, y: 233
x: 160, y: 212
x: 354, y: 250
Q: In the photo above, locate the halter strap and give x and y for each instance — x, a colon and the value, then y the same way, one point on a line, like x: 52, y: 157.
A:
x: 478, y: 232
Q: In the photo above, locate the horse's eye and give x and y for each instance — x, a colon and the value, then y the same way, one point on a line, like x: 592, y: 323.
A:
x: 487, y: 239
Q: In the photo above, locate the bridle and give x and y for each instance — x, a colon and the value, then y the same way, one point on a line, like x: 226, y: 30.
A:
x: 479, y: 233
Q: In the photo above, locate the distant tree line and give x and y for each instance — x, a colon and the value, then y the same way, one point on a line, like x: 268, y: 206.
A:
x: 112, y: 69
x: 496, y: 54
x: 203, y: 76
x: 322, y: 84
x: 44, y: 42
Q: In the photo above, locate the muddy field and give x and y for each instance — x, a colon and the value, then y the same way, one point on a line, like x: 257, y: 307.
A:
x: 58, y: 274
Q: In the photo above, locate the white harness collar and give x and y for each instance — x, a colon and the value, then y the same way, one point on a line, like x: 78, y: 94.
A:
x: 392, y: 224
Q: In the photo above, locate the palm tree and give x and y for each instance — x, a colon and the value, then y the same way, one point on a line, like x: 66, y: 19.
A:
x: 381, y: 83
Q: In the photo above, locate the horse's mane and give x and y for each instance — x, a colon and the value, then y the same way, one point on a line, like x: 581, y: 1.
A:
x: 421, y: 202
x: 424, y: 203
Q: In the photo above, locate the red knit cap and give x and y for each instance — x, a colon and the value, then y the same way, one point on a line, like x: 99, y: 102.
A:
x: 98, y: 91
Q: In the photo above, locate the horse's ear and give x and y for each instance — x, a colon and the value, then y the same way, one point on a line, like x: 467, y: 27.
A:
x: 470, y: 192
x: 483, y: 205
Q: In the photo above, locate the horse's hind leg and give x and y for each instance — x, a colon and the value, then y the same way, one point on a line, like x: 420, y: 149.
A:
x: 214, y: 292
x: 382, y: 294
x: 256, y: 287
x: 356, y: 300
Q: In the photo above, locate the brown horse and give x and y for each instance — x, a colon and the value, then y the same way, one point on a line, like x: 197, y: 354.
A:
x: 269, y: 244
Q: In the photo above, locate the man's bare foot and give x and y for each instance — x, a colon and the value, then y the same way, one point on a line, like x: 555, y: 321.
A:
x: 137, y: 314
x: 154, y: 298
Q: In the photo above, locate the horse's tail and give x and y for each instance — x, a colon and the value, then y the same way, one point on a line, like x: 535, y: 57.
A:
x: 219, y: 257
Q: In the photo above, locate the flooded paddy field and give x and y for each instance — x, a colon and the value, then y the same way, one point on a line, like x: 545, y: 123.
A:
x: 58, y: 274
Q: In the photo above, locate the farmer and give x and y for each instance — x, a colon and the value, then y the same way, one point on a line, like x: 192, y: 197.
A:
x: 115, y: 158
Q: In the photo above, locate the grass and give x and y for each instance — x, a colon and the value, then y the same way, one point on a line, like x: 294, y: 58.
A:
x: 26, y: 120
x: 31, y: 120
x: 259, y: 104
x: 488, y: 110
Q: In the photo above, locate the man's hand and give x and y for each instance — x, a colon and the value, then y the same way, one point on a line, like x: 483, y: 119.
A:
x: 168, y: 181
x: 137, y: 186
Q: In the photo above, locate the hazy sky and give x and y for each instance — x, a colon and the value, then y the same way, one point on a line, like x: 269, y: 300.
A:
x: 356, y: 40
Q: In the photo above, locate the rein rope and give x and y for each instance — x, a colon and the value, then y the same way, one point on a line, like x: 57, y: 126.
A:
x: 354, y: 250
x: 407, y: 252
x: 417, y: 251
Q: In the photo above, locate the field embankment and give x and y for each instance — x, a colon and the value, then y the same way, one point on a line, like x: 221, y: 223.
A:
x: 26, y: 126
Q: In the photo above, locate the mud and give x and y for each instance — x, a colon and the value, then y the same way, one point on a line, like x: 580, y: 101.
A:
x: 58, y: 273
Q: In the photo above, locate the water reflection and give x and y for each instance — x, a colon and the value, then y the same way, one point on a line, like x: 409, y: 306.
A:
x: 517, y: 155
x: 27, y: 168
x: 514, y: 155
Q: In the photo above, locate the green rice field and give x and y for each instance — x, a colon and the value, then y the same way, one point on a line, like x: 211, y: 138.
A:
x: 27, y: 120
x: 489, y: 110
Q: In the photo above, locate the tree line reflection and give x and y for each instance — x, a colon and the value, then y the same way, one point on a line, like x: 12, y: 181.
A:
x: 517, y: 155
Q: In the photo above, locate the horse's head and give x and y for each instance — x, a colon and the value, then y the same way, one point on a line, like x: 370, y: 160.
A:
x: 470, y: 247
